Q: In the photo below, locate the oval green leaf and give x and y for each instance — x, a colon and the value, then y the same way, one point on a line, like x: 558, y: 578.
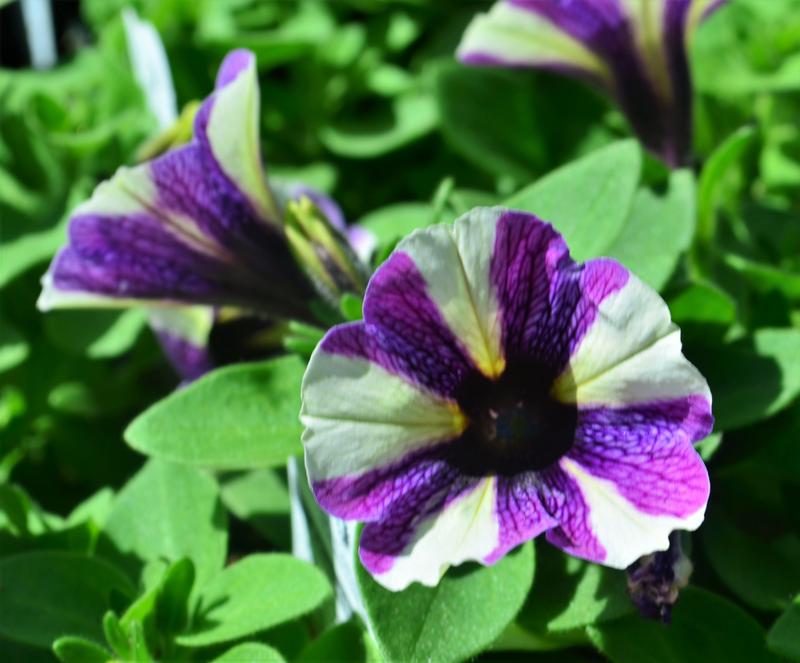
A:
x: 587, y: 200
x: 256, y: 593
x: 695, y: 635
x: 238, y: 417
x: 46, y: 595
x: 453, y: 621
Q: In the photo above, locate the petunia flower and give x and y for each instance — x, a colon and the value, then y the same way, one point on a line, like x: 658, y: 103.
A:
x: 198, y: 227
x: 633, y: 50
x: 496, y: 390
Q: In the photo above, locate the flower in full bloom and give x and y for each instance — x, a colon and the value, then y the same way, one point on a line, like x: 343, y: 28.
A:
x: 196, y: 230
x: 495, y: 390
x: 633, y: 50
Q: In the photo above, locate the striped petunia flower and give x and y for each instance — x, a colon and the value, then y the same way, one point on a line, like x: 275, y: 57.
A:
x: 200, y: 229
x: 496, y: 390
x: 633, y: 50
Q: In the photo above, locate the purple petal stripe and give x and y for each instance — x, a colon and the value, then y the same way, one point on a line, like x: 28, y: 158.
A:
x: 547, y: 301
x: 520, y: 513
x: 381, y: 542
x: 190, y: 361
x: 646, y: 450
x: 369, y: 496
x: 135, y: 256
x: 563, y: 500
x: 234, y: 64
x: 404, y: 331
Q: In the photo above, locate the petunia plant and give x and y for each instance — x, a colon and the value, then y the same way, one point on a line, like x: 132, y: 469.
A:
x: 462, y: 373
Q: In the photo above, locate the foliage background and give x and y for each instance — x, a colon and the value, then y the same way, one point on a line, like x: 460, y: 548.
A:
x: 362, y: 98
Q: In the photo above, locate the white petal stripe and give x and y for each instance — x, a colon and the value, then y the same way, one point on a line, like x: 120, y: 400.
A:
x: 625, y: 532
x: 466, y: 530
x: 631, y: 354
x: 358, y: 417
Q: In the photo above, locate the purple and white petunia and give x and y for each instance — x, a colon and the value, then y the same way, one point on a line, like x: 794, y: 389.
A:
x: 193, y: 230
x: 496, y: 390
x: 633, y: 50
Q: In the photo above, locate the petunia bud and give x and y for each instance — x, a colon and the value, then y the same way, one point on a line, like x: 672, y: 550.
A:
x: 323, y: 251
x: 655, y: 580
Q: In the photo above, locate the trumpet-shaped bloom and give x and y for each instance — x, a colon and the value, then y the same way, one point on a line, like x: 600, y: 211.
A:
x: 197, y: 225
x: 634, y: 50
x: 496, y: 390
x: 193, y: 230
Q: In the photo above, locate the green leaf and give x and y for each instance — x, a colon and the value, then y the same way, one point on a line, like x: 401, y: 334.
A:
x: 96, y: 334
x: 784, y: 636
x: 72, y: 649
x: 408, y: 118
x: 569, y: 593
x: 256, y: 593
x: 713, y: 179
x: 13, y: 347
x: 343, y: 642
x: 704, y: 628
x: 658, y: 230
x: 172, y: 604
x: 260, y: 498
x: 702, y: 308
x: 761, y: 570
x: 765, y: 277
x: 238, y: 417
x: 116, y: 636
x: 351, y: 307
x: 250, y: 652
x: 777, y: 454
x: 395, y: 221
x: 587, y: 200
x: 319, y: 175
x: 453, y: 621
x: 751, y: 379
x: 506, y: 142
x: 24, y: 248
x: 168, y: 512
x: 48, y: 594
x: 95, y: 508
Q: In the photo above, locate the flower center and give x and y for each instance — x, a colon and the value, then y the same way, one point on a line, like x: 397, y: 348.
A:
x: 515, y: 425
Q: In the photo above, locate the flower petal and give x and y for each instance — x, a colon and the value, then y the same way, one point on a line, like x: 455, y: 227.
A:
x: 227, y: 127
x: 442, y: 523
x: 511, y: 34
x: 630, y: 354
x: 632, y: 477
x: 183, y: 333
x: 454, y: 264
x: 359, y: 415
x: 634, y: 50
x: 520, y: 513
x: 122, y: 251
x: 197, y: 225
x: 547, y: 301
x: 406, y: 330
x: 615, y: 529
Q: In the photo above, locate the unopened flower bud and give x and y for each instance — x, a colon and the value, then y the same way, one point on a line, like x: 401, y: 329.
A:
x: 323, y: 251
